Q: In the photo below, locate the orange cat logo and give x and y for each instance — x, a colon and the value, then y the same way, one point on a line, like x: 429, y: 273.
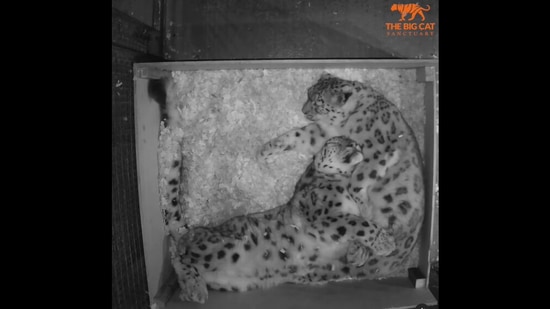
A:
x: 411, y: 8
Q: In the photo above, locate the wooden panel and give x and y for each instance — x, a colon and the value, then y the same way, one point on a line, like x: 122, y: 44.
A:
x: 147, y: 117
x: 391, y: 293
x: 282, y: 64
x: 150, y: 72
x: 429, y: 170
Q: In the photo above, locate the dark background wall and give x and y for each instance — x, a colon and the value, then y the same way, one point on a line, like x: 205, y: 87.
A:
x: 221, y: 29
x: 166, y: 30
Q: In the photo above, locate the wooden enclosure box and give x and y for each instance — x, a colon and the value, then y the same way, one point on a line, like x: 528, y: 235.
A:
x: 372, y: 294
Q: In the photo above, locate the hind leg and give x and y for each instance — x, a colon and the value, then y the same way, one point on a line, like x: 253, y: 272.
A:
x: 192, y: 284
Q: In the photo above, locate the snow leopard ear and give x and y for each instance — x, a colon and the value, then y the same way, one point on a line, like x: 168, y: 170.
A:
x: 342, y: 96
x: 326, y: 75
x: 356, y: 158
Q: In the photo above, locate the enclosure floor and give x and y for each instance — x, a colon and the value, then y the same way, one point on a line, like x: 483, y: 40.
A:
x: 380, y: 294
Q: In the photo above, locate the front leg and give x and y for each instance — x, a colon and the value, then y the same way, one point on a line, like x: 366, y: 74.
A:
x: 192, y: 284
x: 307, y: 140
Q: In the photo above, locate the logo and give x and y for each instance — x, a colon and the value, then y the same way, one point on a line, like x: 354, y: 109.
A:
x: 411, y: 8
x: 407, y: 26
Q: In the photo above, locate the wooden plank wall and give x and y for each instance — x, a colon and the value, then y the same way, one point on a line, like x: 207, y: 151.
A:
x: 132, y: 41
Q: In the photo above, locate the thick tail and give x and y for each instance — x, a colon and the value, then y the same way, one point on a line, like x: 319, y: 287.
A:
x: 157, y: 89
x: 164, y: 92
